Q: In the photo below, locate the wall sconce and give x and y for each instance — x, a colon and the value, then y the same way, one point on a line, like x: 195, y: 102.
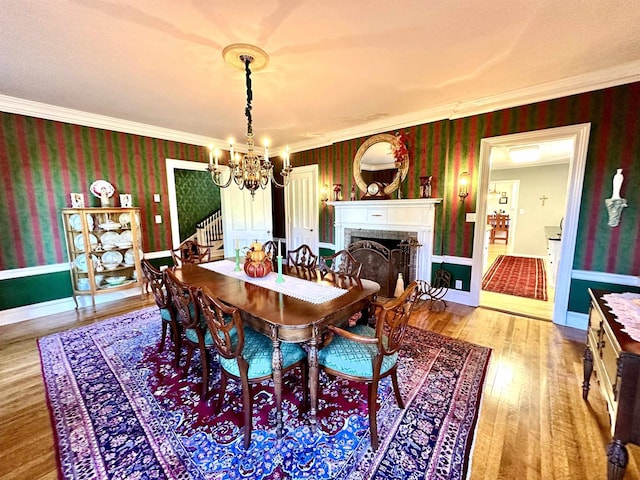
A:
x: 463, y: 185
x: 324, y: 194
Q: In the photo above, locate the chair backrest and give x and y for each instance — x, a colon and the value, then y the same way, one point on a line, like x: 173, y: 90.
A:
x: 156, y: 281
x: 343, y: 267
x: 302, y: 259
x: 182, y: 300
x: 392, y: 319
x: 224, y: 322
x: 270, y: 248
x: 502, y: 221
x: 190, y: 251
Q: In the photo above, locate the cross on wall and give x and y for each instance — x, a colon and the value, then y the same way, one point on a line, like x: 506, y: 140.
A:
x: 543, y: 198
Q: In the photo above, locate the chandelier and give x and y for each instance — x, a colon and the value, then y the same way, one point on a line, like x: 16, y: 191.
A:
x: 250, y: 171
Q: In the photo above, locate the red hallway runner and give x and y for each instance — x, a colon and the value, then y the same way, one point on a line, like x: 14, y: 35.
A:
x: 519, y: 276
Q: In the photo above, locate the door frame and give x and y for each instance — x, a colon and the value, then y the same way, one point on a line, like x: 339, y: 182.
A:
x: 580, y: 135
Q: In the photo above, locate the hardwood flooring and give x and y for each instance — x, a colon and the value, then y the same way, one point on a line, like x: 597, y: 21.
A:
x: 533, y: 422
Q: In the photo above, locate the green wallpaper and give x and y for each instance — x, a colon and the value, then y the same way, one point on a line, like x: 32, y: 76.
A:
x: 197, y: 198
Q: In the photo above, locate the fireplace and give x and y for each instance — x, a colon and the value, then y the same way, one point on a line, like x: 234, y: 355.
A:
x: 383, y: 258
x: 385, y: 221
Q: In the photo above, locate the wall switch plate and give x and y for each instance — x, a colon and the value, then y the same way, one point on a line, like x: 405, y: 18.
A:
x: 156, y: 197
x: 458, y: 284
x: 158, y: 218
x: 470, y: 217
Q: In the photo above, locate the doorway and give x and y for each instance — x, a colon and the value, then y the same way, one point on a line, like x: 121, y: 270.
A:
x: 529, y: 235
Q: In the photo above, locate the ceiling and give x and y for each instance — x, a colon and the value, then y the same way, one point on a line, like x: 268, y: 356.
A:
x: 337, y: 70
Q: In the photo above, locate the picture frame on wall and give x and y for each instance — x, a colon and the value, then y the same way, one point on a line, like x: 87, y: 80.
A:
x: 77, y: 200
x: 503, y: 200
x: 125, y: 200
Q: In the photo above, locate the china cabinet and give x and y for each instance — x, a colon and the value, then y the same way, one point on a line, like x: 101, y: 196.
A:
x: 104, y: 249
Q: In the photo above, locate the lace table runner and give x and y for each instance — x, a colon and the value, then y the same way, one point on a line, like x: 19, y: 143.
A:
x: 292, y: 286
x: 626, y: 308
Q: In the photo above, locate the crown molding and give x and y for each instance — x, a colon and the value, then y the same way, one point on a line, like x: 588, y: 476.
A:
x: 605, y: 78
x: 61, y: 114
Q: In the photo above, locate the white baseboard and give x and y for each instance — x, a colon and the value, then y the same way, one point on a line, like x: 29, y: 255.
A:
x: 577, y: 320
x: 44, y: 309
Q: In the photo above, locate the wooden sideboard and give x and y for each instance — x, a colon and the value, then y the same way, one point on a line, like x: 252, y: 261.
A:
x: 615, y: 357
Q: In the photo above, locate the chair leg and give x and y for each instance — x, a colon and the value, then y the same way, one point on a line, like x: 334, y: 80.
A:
x: 177, y: 344
x: 164, y: 335
x: 222, y: 391
x: 205, y: 371
x: 187, y: 364
x: 394, y: 381
x: 372, y: 405
x: 247, y: 407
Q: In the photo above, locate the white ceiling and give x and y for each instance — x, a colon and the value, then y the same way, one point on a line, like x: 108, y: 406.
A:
x: 338, y: 69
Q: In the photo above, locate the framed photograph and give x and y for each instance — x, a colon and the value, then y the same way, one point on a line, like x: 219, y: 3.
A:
x: 503, y: 200
x: 125, y: 200
x: 77, y: 200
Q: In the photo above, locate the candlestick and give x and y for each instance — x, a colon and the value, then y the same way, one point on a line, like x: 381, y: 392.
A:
x: 210, y: 154
x: 279, y: 248
x: 237, y: 244
x: 231, y: 148
x: 217, y: 156
x: 237, y: 269
x: 280, y: 278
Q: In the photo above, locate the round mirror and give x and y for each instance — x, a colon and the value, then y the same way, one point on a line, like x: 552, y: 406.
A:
x: 374, y: 163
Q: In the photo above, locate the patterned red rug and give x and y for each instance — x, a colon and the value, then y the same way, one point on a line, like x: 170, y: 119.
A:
x: 120, y: 410
x: 519, y: 276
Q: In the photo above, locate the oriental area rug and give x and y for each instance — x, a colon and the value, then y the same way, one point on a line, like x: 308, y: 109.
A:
x: 519, y: 276
x: 121, y: 410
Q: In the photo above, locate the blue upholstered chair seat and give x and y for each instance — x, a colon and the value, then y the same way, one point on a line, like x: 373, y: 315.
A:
x: 258, y: 351
x: 354, y: 358
x: 165, y: 314
x: 192, y: 336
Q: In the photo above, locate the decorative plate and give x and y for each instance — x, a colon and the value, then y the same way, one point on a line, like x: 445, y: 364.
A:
x: 125, y: 236
x: 113, y: 257
x: 99, y: 185
x: 129, y: 257
x: 75, y: 222
x: 110, y: 239
x: 81, y: 262
x: 78, y: 241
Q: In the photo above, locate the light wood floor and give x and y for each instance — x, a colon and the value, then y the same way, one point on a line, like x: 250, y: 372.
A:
x: 527, y: 307
x: 533, y: 423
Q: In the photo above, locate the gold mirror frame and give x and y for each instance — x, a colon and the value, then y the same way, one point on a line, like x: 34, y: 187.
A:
x: 357, y: 161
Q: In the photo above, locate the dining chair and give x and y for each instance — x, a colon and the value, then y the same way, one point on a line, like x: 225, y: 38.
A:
x: 342, y: 267
x: 303, y: 260
x: 499, y: 228
x: 364, y: 354
x: 157, y: 282
x: 196, y: 333
x: 245, y: 354
x: 191, y: 251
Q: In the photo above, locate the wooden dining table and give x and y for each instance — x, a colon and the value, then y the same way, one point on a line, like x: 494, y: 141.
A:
x: 284, y: 318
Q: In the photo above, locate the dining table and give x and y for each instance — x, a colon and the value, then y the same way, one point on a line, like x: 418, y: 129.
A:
x: 283, y: 317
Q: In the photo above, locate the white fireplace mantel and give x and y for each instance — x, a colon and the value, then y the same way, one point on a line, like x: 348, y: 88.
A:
x: 412, y: 215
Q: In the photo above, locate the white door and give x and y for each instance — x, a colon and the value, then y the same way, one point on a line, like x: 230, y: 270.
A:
x: 245, y: 219
x: 302, y: 209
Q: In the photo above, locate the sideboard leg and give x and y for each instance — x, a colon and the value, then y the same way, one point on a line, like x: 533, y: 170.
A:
x: 617, y: 460
x: 588, y: 369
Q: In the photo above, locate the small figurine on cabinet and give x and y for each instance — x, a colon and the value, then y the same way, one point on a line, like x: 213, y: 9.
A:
x: 353, y: 193
x: 125, y: 200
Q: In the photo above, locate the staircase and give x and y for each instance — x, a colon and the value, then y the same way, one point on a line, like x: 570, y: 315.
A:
x: 209, y: 232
